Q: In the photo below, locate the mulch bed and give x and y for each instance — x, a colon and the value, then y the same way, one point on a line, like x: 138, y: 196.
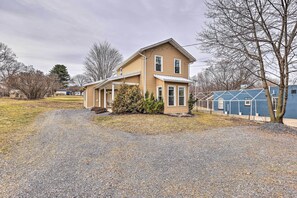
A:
x: 99, y: 110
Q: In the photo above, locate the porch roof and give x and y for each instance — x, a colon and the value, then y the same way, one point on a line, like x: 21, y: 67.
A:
x: 116, y: 78
x: 92, y: 83
x: 172, y: 79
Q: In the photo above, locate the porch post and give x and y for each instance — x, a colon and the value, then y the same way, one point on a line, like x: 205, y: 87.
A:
x: 104, y: 97
x: 112, y: 93
x: 99, y: 98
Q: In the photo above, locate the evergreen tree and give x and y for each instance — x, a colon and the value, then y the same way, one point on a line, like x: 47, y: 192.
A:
x: 62, y: 73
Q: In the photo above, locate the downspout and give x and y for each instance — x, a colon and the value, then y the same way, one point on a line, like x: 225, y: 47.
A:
x: 144, y: 73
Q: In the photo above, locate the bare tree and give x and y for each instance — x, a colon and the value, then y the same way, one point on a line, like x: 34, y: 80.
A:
x: 259, y: 32
x: 6, y: 54
x: 33, y: 83
x: 80, y: 79
x: 101, y: 61
x: 9, y: 66
x: 224, y: 75
x: 8, y: 63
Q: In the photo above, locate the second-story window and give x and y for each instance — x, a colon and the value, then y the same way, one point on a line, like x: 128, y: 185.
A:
x: 158, y: 63
x: 177, y: 66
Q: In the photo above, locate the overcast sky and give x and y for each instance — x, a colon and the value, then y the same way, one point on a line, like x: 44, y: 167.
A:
x: 43, y: 33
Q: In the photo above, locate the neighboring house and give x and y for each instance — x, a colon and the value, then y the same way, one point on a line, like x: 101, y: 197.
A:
x: 61, y: 92
x: 17, y: 94
x: 161, y: 69
x: 4, y: 91
x: 77, y: 93
x: 253, y: 102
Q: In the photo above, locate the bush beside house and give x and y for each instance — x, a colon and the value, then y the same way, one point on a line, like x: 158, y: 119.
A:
x: 191, y: 102
x: 130, y: 100
x: 152, y: 106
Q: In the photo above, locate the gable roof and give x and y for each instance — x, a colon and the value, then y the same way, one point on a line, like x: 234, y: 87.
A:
x: 171, y: 41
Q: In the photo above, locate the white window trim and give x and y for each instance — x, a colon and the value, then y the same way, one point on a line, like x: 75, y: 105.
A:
x: 158, y: 92
x: 156, y: 62
x: 247, y: 102
x: 174, y: 96
x: 184, y: 95
x: 179, y: 65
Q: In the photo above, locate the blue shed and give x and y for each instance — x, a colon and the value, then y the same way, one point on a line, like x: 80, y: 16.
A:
x: 253, y: 101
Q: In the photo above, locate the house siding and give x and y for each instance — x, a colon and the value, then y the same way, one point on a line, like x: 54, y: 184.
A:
x: 175, y: 109
x: 89, y: 96
x: 135, y: 65
x: 169, y: 53
x: 131, y: 67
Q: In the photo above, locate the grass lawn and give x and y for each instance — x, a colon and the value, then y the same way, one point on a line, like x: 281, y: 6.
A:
x: 17, y: 116
x: 160, y: 124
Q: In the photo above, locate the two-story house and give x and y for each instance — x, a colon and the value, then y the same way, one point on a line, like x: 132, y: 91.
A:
x: 161, y: 69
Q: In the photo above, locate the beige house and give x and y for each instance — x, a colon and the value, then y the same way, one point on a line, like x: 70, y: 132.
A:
x: 161, y: 69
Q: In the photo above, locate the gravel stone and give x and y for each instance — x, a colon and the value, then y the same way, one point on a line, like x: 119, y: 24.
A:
x: 70, y: 156
x: 277, y: 128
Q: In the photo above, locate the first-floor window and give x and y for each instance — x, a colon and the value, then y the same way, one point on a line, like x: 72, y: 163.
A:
x: 181, y: 96
x: 171, y: 96
x: 159, y: 93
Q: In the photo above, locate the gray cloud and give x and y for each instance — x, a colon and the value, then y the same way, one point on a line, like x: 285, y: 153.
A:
x: 45, y: 33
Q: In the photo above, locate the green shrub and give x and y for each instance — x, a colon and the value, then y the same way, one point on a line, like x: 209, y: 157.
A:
x: 191, y: 102
x: 128, y: 100
x: 152, y: 106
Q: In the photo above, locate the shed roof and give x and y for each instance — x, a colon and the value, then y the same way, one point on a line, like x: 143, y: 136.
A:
x: 172, y: 79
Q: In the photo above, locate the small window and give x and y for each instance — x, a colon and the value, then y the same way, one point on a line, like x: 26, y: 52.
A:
x: 159, y: 63
x: 177, y: 66
x: 181, y: 96
x: 247, y: 102
x: 171, y: 96
x: 221, y: 104
x: 121, y: 71
x: 159, y: 93
x: 294, y: 91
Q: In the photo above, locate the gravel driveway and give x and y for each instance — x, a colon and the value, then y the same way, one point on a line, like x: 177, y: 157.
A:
x: 72, y: 157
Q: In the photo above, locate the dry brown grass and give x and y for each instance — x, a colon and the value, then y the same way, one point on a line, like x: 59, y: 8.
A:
x: 160, y: 124
x: 17, y: 116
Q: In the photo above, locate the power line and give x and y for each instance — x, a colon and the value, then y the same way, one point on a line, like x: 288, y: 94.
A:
x: 191, y: 45
x: 198, y: 66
